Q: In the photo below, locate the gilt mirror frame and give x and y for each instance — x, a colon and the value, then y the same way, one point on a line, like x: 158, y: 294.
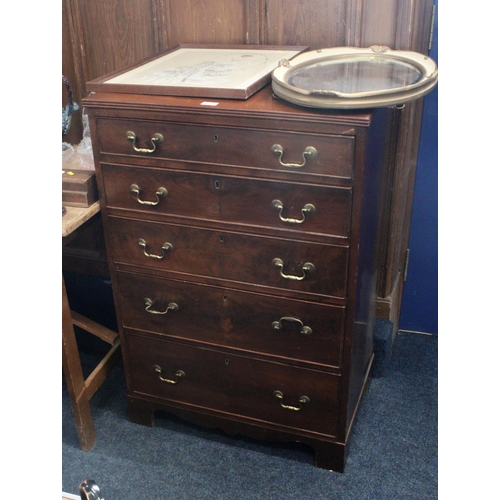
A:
x: 352, y: 77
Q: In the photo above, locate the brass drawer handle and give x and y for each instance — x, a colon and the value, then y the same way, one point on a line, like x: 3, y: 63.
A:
x: 306, y: 268
x: 302, y: 401
x: 149, y: 303
x: 160, y: 193
x: 155, y: 140
x: 309, y: 153
x: 309, y: 208
x: 166, y: 247
x: 277, y: 325
x: 178, y: 375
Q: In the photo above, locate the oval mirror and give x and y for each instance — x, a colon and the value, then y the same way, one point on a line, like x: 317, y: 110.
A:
x: 351, y: 77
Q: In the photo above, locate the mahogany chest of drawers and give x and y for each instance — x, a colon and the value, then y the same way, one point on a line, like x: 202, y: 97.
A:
x: 242, y: 242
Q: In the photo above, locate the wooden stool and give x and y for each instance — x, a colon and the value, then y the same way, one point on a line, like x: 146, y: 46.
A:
x: 81, y: 389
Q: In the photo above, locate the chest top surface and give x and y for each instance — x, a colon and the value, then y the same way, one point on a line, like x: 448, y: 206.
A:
x: 263, y: 104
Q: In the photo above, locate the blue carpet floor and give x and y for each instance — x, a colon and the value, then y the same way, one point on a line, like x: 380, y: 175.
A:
x: 393, y: 452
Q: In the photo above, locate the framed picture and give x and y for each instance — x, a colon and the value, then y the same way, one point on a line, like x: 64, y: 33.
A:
x: 216, y: 71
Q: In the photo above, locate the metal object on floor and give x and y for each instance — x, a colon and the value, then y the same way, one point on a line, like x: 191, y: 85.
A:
x: 89, y: 490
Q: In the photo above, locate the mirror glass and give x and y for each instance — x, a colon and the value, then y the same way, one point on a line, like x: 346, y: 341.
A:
x: 355, y: 74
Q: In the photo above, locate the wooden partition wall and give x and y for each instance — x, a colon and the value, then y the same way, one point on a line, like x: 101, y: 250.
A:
x: 100, y: 36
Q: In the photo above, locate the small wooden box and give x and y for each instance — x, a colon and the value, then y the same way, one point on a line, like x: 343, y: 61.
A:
x: 79, y: 188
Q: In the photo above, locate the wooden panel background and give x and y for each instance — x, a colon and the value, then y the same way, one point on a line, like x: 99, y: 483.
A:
x: 207, y: 21
x: 374, y: 16
x: 126, y: 32
x: 100, y: 36
x: 71, y: 70
x: 315, y: 24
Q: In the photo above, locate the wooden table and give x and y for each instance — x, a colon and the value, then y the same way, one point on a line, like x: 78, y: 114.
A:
x: 75, y: 217
x: 81, y: 389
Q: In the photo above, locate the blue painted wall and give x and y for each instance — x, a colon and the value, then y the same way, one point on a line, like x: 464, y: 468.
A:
x: 419, y: 309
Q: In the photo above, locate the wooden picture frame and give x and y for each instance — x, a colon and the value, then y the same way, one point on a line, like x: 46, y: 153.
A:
x: 213, y: 71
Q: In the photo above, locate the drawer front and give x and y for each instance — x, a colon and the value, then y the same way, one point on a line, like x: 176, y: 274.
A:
x: 161, y: 191
x: 252, y: 322
x: 284, y: 264
x: 281, y: 205
x: 233, y: 384
x: 277, y: 205
x: 262, y: 149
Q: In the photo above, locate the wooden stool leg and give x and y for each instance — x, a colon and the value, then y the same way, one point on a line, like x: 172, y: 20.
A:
x: 74, y: 378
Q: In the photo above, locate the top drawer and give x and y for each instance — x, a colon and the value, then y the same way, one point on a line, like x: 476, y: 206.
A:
x: 331, y: 156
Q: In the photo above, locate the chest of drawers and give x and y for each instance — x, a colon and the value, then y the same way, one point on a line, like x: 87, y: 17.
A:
x: 242, y: 242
